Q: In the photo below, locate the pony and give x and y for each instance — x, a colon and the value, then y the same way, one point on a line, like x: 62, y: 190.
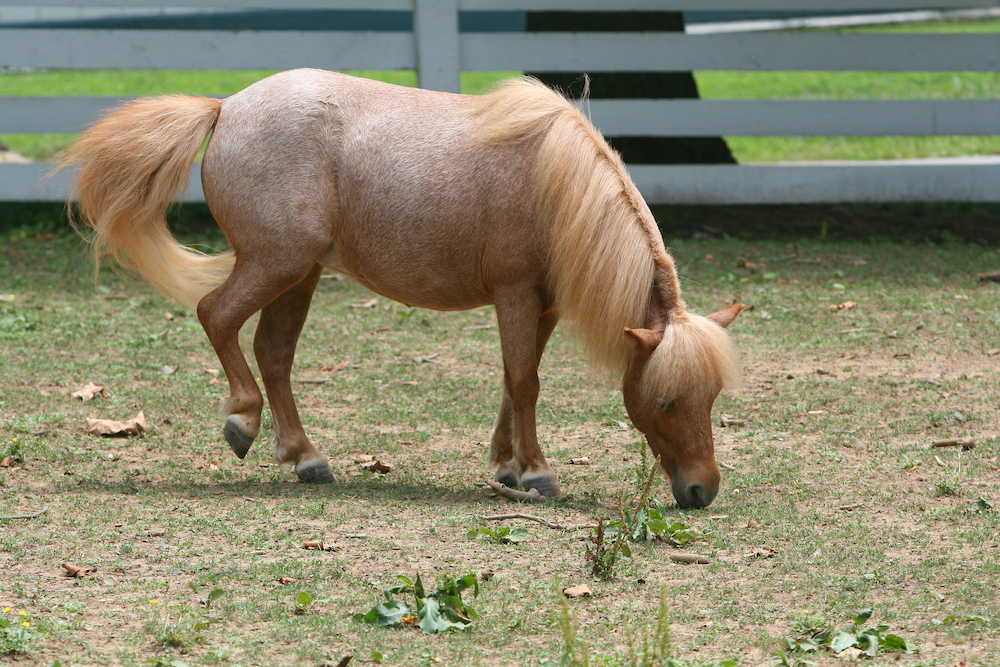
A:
x: 435, y: 200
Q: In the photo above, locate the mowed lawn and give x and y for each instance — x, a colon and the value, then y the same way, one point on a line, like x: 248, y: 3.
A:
x: 856, y: 358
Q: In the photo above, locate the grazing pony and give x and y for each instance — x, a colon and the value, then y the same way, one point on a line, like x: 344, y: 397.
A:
x: 434, y: 200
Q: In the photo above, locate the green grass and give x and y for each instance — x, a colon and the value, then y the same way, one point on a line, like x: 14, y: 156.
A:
x: 160, y: 522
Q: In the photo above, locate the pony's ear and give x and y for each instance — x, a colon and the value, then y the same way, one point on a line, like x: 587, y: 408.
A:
x: 726, y: 316
x: 643, y: 340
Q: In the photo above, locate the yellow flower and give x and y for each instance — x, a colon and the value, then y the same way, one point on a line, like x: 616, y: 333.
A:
x: 153, y: 601
x: 6, y: 610
x: 23, y: 613
x: 25, y: 623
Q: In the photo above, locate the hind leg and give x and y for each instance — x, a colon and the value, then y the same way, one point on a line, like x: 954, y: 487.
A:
x: 251, y: 286
x: 274, y: 346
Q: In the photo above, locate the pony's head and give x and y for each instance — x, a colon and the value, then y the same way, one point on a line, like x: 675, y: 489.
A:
x: 676, y: 372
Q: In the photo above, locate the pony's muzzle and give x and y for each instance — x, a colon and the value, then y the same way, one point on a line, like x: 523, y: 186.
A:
x: 695, y: 495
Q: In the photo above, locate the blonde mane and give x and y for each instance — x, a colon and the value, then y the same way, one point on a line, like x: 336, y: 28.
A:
x: 605, y: 250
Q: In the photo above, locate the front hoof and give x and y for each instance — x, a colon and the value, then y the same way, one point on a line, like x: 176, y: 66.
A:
x: 237, y: 438
x: 547, y: 486
x: 315, y: 473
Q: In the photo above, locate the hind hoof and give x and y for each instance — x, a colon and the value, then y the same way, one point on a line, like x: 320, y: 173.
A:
x: 546, y: 486
x: 317, y: 473
x: 238, y: 441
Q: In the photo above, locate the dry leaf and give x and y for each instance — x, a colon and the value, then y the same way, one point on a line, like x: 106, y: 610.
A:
x: 762, y: 552
x: 847, y: 305
x: 76, y: 571
x: 168, y: 316
x: 581, y: 591
x: 752, y: 524
x: 284, y: 581
x: 312, y: 544
x: 411, y: 383
x: 377, y: 466
x: 371, y: 303
x: 7, y: 462
x: 107, y: 427
x: 582, y: 461
x: 88, y: 392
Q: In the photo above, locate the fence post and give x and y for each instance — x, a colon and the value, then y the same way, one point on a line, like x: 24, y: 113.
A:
x: 435, y: 33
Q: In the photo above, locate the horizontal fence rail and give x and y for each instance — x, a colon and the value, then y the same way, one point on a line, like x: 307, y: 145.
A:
x: 552, y: 52
x: 438, y: 50
x: 665, y: 118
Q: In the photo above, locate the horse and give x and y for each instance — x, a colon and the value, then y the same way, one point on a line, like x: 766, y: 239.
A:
x: 434, y: 200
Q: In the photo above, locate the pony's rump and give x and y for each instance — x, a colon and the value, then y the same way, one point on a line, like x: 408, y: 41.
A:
x: 130, y: 166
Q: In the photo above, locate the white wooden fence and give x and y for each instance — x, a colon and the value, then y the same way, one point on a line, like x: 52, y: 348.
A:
x: 439, y: 51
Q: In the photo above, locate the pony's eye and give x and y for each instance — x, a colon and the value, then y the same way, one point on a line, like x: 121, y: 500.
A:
x: 665, y: 403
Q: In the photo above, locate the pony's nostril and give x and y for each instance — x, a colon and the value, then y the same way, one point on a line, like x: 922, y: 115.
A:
x: 697, y: 497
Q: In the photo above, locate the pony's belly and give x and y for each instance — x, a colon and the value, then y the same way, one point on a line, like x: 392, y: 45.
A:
x: 456, y: 295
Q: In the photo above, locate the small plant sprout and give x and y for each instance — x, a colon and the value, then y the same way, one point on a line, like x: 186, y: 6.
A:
x: 304, y: 602
x: 502, y: 535
x: 15, y: 632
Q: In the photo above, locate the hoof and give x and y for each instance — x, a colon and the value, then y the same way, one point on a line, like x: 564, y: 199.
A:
x: 238, y: 441
x: 508, y: 479
x: 316, y: 473
x: 547, y: 486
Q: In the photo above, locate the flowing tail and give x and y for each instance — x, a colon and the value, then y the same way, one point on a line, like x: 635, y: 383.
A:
x: 130, y: 166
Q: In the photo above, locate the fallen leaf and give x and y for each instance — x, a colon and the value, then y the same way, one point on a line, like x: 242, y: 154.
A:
x: 753, y: 524
x: 168, y: 316
x: 377, y: 466
x: 847, y: 305
x: 284, y: 581
x: 581, y: 591
x: 762, y: 552
x: 167, y: 370
x: 371, y: 303
x: 410, y: 383
x: 312, y: 544
x: 381, y: 330
x: 427, y: 359
x: 44, y: 236
x: 89, y: 391
x: 364, y: 458
x: 107, y: 427
x: 76, y: 571
x: 7, y: 462
x: 816, y: 412
x: 486, y: 575
x: 582, y: 461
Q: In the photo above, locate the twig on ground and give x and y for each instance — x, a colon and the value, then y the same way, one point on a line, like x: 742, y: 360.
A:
x: 25, y: 516
x: 964, y: 443
x: 529, y: 517
x: 726, y: 466
x: 852, y: 506
x: 689, y: 558
x: 992, y: 275
x: 514, y: 494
